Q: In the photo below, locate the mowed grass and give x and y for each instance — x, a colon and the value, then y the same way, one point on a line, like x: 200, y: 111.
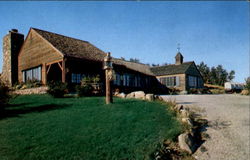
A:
x: 42, y: 127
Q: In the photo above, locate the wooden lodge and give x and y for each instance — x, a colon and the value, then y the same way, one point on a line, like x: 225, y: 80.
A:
x: 47, y: 56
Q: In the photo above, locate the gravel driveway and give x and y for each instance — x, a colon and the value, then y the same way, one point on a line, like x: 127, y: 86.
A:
x: 229, y: 122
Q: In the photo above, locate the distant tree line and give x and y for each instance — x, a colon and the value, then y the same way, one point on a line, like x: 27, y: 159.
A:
x: 138, y: 61
x: 215, y: 75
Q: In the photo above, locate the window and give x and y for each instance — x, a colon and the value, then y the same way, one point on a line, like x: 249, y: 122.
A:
x: 192, y: 81
x: 170, y: 81
x: 117, y: 80
x: 200, y: 82
x: 32, y: 74
x: 76, y: 77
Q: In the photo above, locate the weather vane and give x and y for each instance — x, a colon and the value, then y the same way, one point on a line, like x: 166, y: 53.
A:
x: 178, y: 47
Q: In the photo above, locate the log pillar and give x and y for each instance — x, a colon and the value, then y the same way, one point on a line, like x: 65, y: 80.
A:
x: 44, y: 74
x: 63, y: 70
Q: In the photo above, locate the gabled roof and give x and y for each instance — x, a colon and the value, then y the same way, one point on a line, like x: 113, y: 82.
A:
x: 140, y: 67
x: 76, y: 48
x: 171, y: 69
x: 72, y: 47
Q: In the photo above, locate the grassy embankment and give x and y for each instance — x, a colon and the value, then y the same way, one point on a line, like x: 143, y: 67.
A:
x: 41, y: 127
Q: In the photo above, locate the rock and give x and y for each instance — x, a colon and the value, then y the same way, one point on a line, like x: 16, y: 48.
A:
x: 121, y: 95
x: 131, y: 95
x: 139, y: 95
x: 156, y: 97
x: 149, y: 97
x: 37, y: 90
x: 188, y: 121
x: 160, y: 98
x: 184, y: 113
x: 183, y: 92
x: 193, y: 132
x: 116, y: 93
x: 186, y: 142
x: 178, y: 108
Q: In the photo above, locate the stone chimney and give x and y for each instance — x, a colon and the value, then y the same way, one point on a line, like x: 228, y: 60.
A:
x: 12, y: 44
x: 178, y: 59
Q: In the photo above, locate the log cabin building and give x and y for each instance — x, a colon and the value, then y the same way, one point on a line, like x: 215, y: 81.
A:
x: 181, y: 75
x: 47, y: 56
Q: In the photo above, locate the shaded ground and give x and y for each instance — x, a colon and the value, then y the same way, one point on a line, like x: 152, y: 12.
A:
x: 228, y: 129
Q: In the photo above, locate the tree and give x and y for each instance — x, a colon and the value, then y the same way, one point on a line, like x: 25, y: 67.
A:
x: 155, y: 65
x: 231, y: 75
x: 134, y: 60
x: 204, y: 70
x: 247, y: 86
x: 215, y: 75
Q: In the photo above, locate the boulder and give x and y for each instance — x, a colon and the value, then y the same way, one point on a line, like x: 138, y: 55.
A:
x: 186, y: 142
x: 184, y: 113
x: 116, y: 93
x: 183, y: 92
x: 131, y: 95
x: 178, y: 108
x: 121, y: 95
x: 139, y: 95
x: 158, y: 97
x: 149, y: 97
x: 187, y: 121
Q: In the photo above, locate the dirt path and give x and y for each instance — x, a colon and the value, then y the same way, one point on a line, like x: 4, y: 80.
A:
x: 229, y: 123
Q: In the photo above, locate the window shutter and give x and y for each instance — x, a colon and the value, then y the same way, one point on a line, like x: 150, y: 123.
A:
x: 177, y: 81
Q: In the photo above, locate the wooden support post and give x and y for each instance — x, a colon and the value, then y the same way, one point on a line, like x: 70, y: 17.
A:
x: 63, y: 71
x: 48, y: 69
x: 44, y: 74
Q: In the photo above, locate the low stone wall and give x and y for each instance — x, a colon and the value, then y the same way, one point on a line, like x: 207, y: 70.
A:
x: 38, y: 90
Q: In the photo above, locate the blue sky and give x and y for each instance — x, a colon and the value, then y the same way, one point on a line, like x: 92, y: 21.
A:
x: 213, y: 32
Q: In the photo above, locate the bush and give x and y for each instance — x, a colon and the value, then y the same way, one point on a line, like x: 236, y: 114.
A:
x: 57, y: 89
x: 84, y: 90
x: 245, y: 92
x: 247, y: 86
x: 217, y: 91
x: 28, y: 84
x: 199, y: 91
x: 192, y: 91
x: 174, y: 91
x: 90, y: 85
x: 4, y: 95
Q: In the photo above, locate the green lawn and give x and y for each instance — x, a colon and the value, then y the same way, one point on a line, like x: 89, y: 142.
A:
x: 41, y: 127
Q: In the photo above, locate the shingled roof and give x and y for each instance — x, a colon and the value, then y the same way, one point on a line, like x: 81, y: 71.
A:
x: 171, y: 69
x: 72, y: 47
x: 76, y: 48
x: 143, y: 68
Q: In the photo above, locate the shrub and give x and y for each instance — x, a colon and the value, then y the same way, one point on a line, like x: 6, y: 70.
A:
x: 193, y: 91
x: 247, y: 86
x: 174, y: 91
x: 199, y: 91
x: 217, y: 91
x: 28, y: 84
x: 84, y: 90
x: 4, y: 95
x: 89, y: 85
x: 245, y: 92
x: 57, y: 89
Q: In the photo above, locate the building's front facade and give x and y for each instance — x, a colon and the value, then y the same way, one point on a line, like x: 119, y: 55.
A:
x: 47, y: 56
x: 181, y: 75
